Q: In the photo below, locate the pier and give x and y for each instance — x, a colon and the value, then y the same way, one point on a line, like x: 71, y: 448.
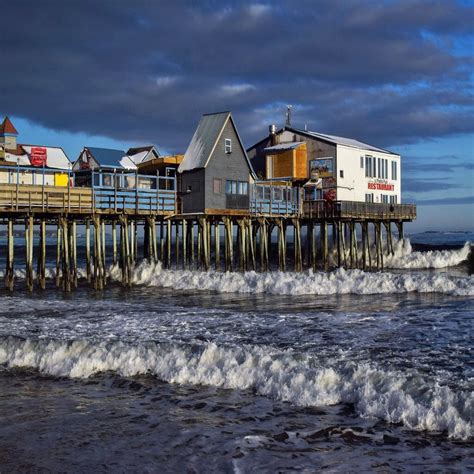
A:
x: 306, y: 201
x: 279, y: 235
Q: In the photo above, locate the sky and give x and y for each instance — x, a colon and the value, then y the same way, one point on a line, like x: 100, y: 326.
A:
x: 396, y: 74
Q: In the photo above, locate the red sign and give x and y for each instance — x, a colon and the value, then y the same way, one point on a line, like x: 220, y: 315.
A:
x: 381, y: 186
x: 38, y: 156
x: 329, y: 195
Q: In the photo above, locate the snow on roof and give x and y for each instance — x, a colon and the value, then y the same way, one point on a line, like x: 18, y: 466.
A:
x: 342, y: 141
x: 203, y: 141
x: 284, y: 146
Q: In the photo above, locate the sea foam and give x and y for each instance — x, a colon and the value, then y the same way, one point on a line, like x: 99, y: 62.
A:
x: 393, y: 396
x: 405, y: 257
x: 339, y: 281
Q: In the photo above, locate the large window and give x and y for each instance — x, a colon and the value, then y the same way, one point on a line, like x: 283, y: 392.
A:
x: 236, y: 187
x: 369, y: 197
x: 371, y: 166
x: 394, y: 170
x: 393, y: 199
x: 385, y: 198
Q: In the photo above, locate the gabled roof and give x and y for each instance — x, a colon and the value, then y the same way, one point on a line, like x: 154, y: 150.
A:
x: 140, y: 154
x: 7, y: 127
x: 107, y: 157
x: 204, y: 141
x: 336, y: 140
x: 56, y: 156
x: 139, y: 149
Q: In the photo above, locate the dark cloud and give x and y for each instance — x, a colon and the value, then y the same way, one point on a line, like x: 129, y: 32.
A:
x: 436, y: 164
x: 145, y: 71
x: 446, y: 201
x: 421, y: 185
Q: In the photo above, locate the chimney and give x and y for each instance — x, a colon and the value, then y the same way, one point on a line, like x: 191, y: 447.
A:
x: 272, y: 130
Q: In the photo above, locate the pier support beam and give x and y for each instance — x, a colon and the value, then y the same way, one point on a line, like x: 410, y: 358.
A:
x: 88, y: 251
x: 9, y: 270
x: 324, y: 245
x: 217, y: 245
x: 29, y: 252
x: 298, y: 264
x: 66, y: 271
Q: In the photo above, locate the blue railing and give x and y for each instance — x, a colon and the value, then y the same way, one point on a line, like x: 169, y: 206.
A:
x: 132, y: 191
x: 274, y: 199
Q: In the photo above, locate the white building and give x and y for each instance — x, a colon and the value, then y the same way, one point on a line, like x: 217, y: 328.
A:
x: 349, y: 169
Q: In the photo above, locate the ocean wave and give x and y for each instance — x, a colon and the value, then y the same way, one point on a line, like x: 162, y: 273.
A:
x: 392, y: 396
x: 405, y: 257
x: 339, y: 281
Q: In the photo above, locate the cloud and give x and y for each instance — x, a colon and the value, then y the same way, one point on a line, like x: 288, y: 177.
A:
x: 233, y: 89
x: 383, y: 72
x: 450, y: 201
x: 165, y: 81
x: 416, y: 185
x: 436, y: 164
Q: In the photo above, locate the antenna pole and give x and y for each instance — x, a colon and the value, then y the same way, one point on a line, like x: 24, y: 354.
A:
x: 288, y: 115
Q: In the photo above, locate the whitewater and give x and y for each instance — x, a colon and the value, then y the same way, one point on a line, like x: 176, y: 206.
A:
x: 390, y: 396
x: 358, y: 365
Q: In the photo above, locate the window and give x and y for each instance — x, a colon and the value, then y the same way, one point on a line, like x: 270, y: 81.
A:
x: 236, y: 187
x: 228, y: 145
x: 217, y: 186
x: 369, y: 197
x: 341, y: 173
x: 384, y: 198
x: 393, y: 199
x: 378, y: 168
x: 394, y: 170
x: 362, y: 162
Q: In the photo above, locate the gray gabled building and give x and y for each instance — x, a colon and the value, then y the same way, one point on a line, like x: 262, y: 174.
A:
x: 215, y: 173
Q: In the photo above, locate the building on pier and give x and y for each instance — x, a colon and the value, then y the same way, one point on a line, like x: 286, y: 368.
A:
x: 161, y: 165
x: 342, y: 169
x: 215, y: 173
x: 30, y: 164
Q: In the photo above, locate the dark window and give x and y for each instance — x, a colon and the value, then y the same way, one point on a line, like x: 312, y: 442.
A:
x: 236, y: 187
x: 341, y: 173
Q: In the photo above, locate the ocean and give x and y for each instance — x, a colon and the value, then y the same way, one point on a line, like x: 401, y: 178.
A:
x: 258, y: 372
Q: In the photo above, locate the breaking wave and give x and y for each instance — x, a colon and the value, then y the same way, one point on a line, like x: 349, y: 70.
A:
x: 305, y: 283
x: 392, y: 396
x: 404, y: 257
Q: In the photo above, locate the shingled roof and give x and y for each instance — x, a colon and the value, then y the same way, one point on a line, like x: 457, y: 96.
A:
x: 7, y: 127
x: 204, y: 140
